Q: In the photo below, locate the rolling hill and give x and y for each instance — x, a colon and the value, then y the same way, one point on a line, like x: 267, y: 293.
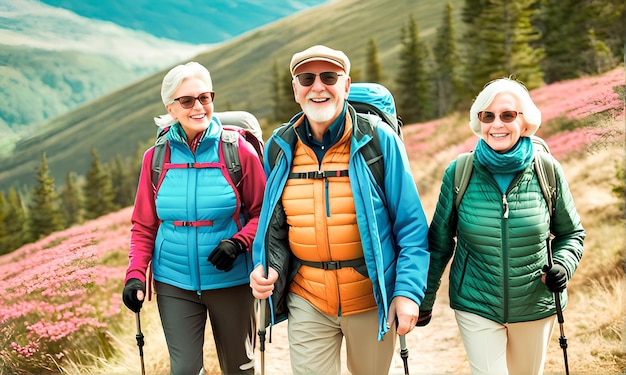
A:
x: 241, y: 70
x: 52, y: 59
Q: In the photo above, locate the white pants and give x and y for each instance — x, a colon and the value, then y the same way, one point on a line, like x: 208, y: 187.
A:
x: 505, y: 349
x: 315, y: 341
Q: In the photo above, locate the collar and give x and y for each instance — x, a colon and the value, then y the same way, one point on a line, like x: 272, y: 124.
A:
x: 332, y: 135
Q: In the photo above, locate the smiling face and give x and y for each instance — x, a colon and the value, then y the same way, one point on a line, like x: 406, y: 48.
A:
x: 501, y: 136
x: 197, y: 118
x: 320, y: 102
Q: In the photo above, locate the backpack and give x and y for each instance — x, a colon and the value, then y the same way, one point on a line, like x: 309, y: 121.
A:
x: 375, y: 99
x: 371, y: 101
x: 234, y: 124
x: 544, y: 168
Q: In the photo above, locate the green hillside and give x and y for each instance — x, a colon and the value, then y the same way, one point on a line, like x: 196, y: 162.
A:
x: 241, y: 70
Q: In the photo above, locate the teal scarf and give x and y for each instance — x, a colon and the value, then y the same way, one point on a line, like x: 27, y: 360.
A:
x: 504, y: 166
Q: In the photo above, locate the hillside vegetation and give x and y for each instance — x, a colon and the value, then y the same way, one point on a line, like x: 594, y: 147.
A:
x: 242, y: 77
x: 52, y: 60
x: 60, y: 297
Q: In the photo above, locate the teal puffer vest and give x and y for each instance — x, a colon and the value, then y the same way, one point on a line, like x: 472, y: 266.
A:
x: 196, y: 206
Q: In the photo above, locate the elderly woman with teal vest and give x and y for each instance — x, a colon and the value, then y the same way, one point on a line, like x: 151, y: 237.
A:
x: 503, y: 300
x: 187, y: 227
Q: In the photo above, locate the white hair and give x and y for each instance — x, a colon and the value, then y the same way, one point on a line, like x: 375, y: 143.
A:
x: 172, y: 81
x: 531, y: 114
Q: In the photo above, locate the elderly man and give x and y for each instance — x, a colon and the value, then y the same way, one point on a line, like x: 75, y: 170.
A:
x: 336, y: 254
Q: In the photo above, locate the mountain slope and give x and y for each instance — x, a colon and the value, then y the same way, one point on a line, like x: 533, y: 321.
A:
x: 197, y: 22
x: 52, y: 60
x: 242, y: 74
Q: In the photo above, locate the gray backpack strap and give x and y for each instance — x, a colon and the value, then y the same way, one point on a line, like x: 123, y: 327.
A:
x: 158, y: 157
x: 231, y: 155
x: 371, y: 151
x: 546, y: 174
x: 462, y: 174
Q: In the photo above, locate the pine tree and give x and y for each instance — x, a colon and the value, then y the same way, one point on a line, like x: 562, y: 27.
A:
x: 446, y: 57
x: 499, y: 44
x: 373, y: 67
x: 564, y: 38
x: 137, y: 160
x: 607, y: 20
x: 44, y: 213
x: 123, y: 186
x: 598, y: 59
x: 413, y: 93
x: 288, y: 105
x: 71, y: 201
x: 16, y: 222
x: 471, y: 47
x: 98, y: 190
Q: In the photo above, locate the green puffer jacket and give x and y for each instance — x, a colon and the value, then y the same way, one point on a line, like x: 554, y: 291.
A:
x: 497, y: 266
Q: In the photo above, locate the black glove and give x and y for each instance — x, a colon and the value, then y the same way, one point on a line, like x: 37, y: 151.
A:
x: 556, y: 278
x: 424, y: 318
x: 129, y: 295
x: 225, y: 254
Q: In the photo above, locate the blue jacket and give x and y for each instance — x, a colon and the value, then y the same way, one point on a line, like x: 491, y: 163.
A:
x: 393, y: 226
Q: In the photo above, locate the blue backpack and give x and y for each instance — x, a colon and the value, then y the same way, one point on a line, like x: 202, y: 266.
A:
x: 375, y: 99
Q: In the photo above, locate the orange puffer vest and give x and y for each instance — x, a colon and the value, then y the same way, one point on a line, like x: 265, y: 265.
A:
x: 322, y: 228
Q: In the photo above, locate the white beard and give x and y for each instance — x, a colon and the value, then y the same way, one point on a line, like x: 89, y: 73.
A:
x: 320, y: 113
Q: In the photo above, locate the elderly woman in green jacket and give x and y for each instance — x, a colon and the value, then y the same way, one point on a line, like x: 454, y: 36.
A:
x: 503, y: 300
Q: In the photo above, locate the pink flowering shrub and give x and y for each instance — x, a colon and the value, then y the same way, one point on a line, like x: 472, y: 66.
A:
x: 575, y: 115
x: 55, y: 296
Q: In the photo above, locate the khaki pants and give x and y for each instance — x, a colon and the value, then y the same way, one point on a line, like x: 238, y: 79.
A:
x: 505, y: 349
x: 315, y: 341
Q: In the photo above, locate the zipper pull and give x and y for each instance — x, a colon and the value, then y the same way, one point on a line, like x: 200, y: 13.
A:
x: 506, y: 207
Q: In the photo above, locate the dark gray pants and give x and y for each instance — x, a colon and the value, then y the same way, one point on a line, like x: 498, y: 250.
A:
x: 184, y: 314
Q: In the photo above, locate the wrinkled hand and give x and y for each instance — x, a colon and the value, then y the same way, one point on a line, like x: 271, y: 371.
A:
x: 225, y: 254
x: 406, y: 311
x: 262, y: 286
x: 134, y: 294
x: 555, y: 278
x: 424, y: 318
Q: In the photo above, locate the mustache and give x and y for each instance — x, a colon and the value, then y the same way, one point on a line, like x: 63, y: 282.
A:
x: 318, y: 96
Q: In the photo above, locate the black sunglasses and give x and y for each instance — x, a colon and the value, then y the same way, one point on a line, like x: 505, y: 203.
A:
x: 189, y: 101
x: 506, y: 116
x: 328, y: 78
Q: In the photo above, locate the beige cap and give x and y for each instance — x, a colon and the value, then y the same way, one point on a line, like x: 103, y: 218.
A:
x: 320, y: 53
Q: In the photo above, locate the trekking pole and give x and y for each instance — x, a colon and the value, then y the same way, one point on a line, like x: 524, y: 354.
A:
x: 559, y: 311
x: 262, y: 304
x: 404, y: 354
x: 139, y: 338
